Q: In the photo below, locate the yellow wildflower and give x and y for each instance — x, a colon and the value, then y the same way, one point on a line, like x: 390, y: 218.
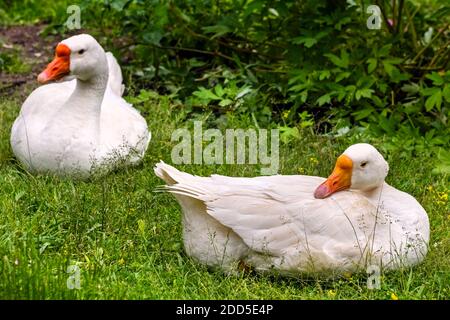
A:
x: 313, y: 160
x: 394, y: 296
x: 331, y: 293
x: 347, y: 275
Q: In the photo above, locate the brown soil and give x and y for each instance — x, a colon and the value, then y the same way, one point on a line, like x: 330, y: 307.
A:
x: 34, y: 49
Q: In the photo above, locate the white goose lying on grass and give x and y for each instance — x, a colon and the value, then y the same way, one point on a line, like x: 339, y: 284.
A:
x: 83, y: 123
x: 295, y: 224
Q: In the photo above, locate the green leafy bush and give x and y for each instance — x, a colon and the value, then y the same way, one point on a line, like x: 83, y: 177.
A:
x: 279, y: 62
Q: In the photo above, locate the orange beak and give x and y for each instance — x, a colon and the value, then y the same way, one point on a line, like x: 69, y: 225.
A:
x: 59, y: 67
x: 340, y: 178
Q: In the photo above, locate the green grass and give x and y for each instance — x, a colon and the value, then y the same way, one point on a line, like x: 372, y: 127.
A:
x: 32, y: 11
x: 126, y: 238
x: 11, y: 63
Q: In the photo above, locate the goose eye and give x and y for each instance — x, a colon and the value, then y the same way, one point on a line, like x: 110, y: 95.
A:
x: 81, y: 51
x: 363, y: 164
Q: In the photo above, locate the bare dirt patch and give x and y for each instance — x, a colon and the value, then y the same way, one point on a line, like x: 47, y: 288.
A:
x: 33, y: 49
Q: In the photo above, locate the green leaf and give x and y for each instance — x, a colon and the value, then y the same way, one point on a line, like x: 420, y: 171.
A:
x: 218, y: 30
x: 446, y: 92
x: 321, y: 34
x: 384, y: 51
x: 118, y: 5
x: 304, y: 96
x: 274, y: 12
x: 243, y: 92
x: 219, y: 90
x: 441, y: 168
x: 161, y: 15
x: 325, y: 74
x: 141, y: 226
x: 205, y: 94
x: 372, y: 64
x: 144, y: 96
x: 411, y: 88
x: 394, y: 60
x: 387, y: 125
x: 365, y: 81
x: 341, y: 22
x: 225, y: 102
x: 436, y: 78
x: 345, y: 58
x: 435, y: 100
x: 394, y: 73
x: 181, y: 14
x: 398, y: 76
x: 299, y: 87
x: 443, y: 162
x: 153, y: 37
x: 300, y: 76
x: 351, y: 88
x: 326, y: 98
x: 342, y: 75
x: 366, y: 93
x: 364, y: 113
x: 429, y: 91
x: 309, y: 41
x: 306, y: 41
x: 389, y: 68
x: 377, y: 101
x: 336, y: 60
x: 382, y: 86
x: 341, y: 95
x: 288, y: 133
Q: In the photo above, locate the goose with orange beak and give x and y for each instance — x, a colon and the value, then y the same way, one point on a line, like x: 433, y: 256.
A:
x: 77, y: 122
x: 59, y: 67
x: 301, y: 224
x: 361, y: 167
x: 340, y: 178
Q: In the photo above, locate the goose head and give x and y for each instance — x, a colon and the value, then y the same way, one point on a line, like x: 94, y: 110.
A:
x: 360, y: 167
x: 79, y: 56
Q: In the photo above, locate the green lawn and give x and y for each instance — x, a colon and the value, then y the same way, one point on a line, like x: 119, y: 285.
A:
x: 126, y: 238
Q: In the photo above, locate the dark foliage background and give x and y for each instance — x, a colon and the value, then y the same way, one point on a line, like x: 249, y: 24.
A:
x: 290, y: 64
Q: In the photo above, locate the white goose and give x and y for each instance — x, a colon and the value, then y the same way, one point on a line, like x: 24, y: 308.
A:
x: 298, y: 224
x: 83, y: 123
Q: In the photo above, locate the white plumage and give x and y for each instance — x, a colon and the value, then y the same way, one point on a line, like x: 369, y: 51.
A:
x: 79, y: 125
x: 276, y: 224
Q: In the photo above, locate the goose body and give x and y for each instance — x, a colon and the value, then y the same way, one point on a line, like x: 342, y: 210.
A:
x: 81, y: 124
x: 277, y: 223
